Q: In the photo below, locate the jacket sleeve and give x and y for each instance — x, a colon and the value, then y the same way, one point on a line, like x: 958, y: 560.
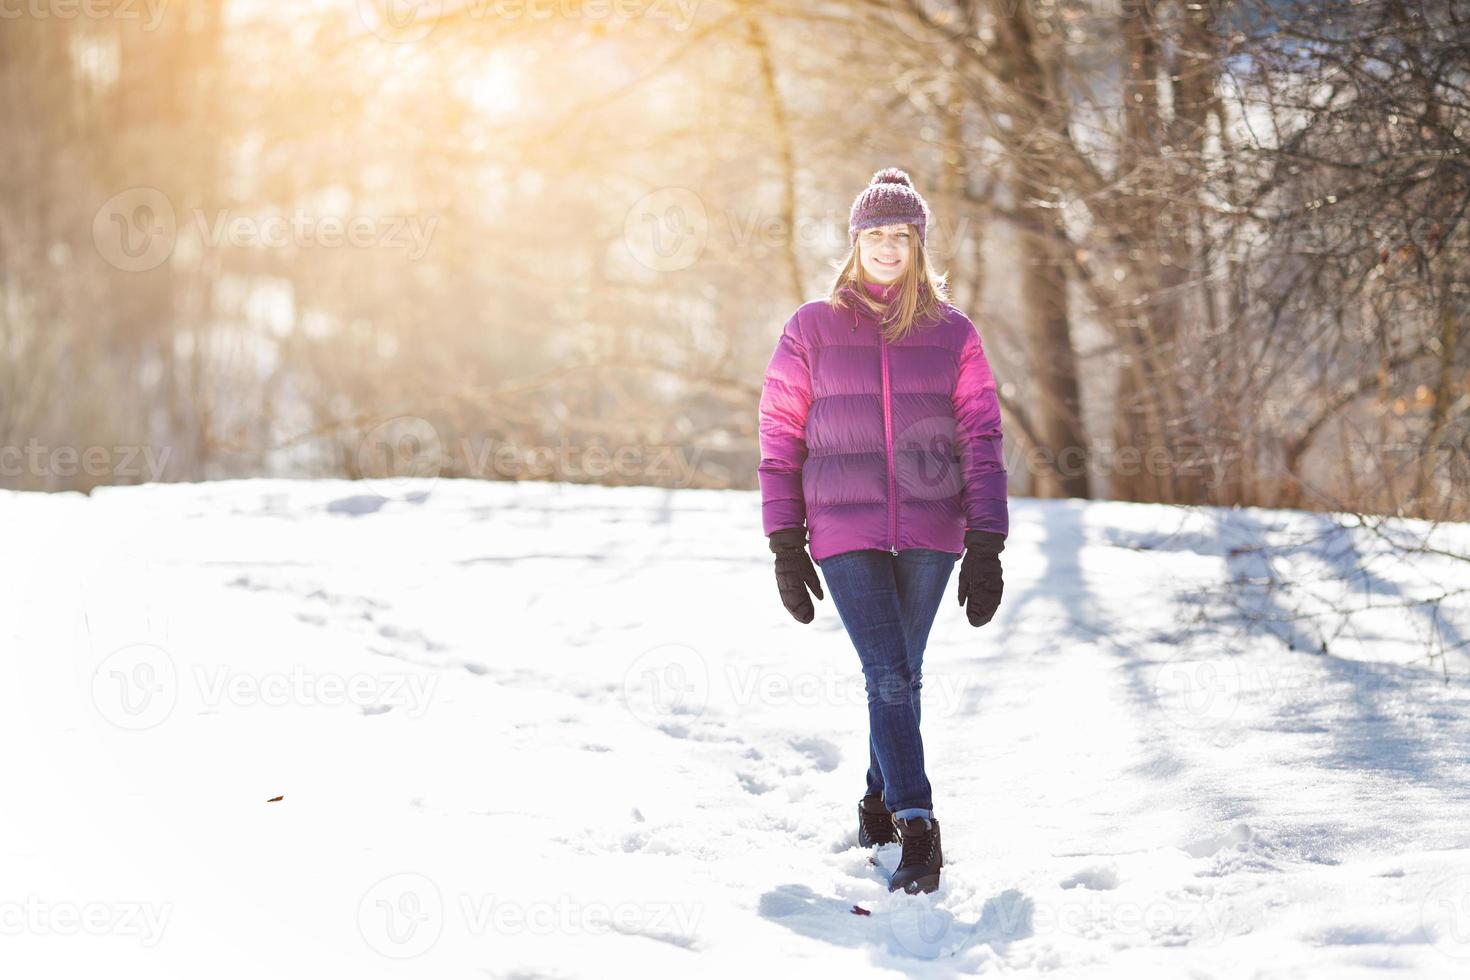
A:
x: 978, y: 438
x: 786, y: 395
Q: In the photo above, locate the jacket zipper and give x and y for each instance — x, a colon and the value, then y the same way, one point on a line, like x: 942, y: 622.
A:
x: 888, y: 446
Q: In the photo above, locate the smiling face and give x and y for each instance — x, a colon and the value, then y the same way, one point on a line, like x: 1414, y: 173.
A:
x: 885, y: 251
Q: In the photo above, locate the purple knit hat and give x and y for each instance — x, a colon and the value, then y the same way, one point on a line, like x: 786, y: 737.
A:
x: 890, y: 199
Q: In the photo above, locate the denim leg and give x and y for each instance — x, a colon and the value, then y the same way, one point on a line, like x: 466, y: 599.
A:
x: 921, y: 576
x: 875, y: 774
x: 864, y: 587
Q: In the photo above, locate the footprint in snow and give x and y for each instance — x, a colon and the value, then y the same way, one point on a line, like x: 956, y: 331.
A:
x: 1100, y: 878
x: 1238, y: 838
x: 825, y: 755
x: 752, y: 785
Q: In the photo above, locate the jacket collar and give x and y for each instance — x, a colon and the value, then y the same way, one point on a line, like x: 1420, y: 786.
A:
x: 852, y: 293
x: 882, y: 291
x: 887, y: 292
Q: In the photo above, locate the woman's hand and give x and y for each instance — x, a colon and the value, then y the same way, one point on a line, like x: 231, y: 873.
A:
x: 980, y: 578
x: 795, y: 573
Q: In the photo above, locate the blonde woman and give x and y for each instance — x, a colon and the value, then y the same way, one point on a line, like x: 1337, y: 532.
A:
x: 881, y: 451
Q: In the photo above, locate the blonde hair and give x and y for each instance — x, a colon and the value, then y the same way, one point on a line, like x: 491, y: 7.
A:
x: 923, y: 292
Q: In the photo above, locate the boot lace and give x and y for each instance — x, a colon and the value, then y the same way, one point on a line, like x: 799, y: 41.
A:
x: 917, y: 848
x: 879, y: 826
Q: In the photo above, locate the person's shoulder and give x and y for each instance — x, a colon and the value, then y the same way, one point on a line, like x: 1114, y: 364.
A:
x: 809, y: 317
x: 955, y: 326
x: 954, y: 316
x: 821, y: 306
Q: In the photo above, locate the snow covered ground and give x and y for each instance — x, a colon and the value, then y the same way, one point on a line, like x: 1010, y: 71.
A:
x: 528, y: 730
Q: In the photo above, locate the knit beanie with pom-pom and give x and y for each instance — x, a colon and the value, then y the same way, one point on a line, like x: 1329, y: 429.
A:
x: 890, y: 199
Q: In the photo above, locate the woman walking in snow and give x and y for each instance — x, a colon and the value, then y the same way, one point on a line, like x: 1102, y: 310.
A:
x: 880, y: 445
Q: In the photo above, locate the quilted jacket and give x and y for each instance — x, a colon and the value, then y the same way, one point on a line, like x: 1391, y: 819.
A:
x: 878, y: 444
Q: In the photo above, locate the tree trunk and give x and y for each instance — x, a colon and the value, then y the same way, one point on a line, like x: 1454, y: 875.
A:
x: 1040, y: 122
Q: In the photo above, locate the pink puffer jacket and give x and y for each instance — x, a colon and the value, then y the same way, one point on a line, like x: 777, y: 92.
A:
x: 873, y: 444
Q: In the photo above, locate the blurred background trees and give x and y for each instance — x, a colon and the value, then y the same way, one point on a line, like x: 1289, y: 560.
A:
x: 1217, y: 251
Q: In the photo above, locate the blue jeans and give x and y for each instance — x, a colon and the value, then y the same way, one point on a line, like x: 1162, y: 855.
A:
x: 887, y: 604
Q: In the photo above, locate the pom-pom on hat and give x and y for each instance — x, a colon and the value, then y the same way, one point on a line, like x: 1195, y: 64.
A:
x: 890, y: 199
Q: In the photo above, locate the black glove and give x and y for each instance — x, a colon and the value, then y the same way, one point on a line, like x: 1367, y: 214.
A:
x: 795, y: 573
x: 980, y: 579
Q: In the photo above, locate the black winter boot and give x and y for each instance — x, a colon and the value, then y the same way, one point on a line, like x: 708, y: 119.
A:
x: 875, y: 823
x: 918, y: 869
